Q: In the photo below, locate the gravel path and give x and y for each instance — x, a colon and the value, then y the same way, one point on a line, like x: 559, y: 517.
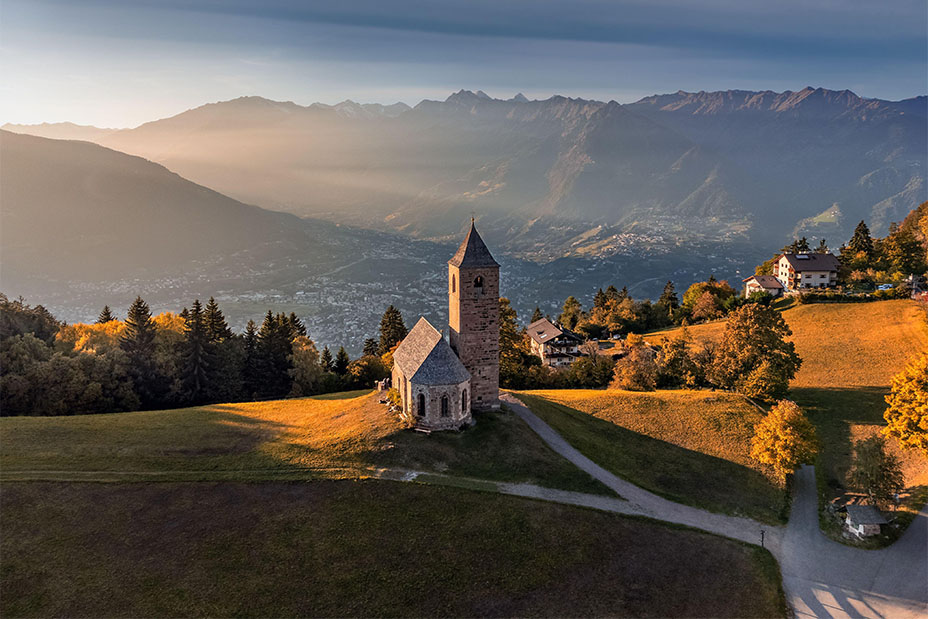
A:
x: 822, y: 578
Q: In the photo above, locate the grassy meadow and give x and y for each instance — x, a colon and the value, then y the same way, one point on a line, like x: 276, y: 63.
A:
x: 688, y: 446
x: 336, y: 435
x: 849, y: 352
x: 358, y: 548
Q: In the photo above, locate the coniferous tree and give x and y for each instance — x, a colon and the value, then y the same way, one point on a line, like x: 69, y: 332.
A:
x: 600, y: 300
x: 250, y: 366
x: 612, y: 293
x: 342, y: 360
x: 623, y: 294
x: 669, y: 297
x: 197, y: 354
x: 392, y: 329
x: 138, y: 342
x: 105, y: 316
x: 536, y: 315
x: 861, y: 242
x: 822, y: 247
x: 215, y: 323
x: 275, y: 340
x: 570, y: 313
x: 297, y: 327
x: 371, y: 348
x: 328, y: 364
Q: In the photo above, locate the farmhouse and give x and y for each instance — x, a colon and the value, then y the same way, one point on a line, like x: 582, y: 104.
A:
x: 864, y: 520
x: 440, y: 382
x: 762, y: 283
x: 797, y: 271
x: 554, y: 345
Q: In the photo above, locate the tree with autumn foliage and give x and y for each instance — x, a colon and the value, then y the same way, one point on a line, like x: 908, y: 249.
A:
x: 784, y: 439
x: 907, y: 415
x: 754, y: 356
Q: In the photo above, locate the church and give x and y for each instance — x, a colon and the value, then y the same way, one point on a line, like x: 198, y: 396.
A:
x: 442, y: 381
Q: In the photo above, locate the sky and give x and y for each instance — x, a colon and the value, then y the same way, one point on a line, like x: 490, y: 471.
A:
x: 119, y: 63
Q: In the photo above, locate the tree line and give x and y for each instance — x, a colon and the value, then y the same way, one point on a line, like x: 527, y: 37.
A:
x: 171, y: 360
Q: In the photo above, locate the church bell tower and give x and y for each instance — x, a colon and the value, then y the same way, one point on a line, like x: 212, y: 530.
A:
x: 473, y: 317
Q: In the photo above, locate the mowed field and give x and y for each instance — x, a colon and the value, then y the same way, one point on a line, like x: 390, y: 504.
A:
x: 306, y: 438
x: 688, y: 446
x: 357, y: 548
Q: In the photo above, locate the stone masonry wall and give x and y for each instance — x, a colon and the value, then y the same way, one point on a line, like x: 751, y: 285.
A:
x: 473, y: 318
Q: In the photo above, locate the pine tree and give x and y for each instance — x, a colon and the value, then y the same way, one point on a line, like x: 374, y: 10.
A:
x: 612, y: 293
x: 341, y: 361
x: 250, y: 369
x: 215, y: 323
x: 861, y: 242
x: 392, y: 329
x: 669, y: 297
x: 623, y: 294
x: 536, y: 315
x: 274, y: 349
x: 822, y: 247
x: 326, y: 360
x: 570, y: 313
x: 371, y: 348
x: 600, y: 300
x: 197, y: 355
x: 138, y: 342
x: 105, y: 316
x: 297, y: 327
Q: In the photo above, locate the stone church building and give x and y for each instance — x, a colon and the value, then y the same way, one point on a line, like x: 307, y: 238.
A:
x: 440, y: 382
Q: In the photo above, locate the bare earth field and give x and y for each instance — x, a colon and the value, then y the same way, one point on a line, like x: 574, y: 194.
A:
x: 347, y: 548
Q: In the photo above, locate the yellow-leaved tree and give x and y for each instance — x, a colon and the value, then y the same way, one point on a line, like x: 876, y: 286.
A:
x: 907, y: 415
x: 784, y: 439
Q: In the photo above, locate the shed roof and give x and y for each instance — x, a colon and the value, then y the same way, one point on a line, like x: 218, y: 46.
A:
x: 473, y: 252
x: 765, y: 281
x: 864, y: 514
x: 812, y: 262
x: 425, y: 358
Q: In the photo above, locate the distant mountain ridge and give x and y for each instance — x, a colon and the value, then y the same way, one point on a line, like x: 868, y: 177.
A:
x: 562, y: 176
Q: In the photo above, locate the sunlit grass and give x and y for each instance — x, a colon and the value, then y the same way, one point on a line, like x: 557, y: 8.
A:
x: 340, y: 435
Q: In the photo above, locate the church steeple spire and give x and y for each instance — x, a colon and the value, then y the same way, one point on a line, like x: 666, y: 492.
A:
x: 473, y: 252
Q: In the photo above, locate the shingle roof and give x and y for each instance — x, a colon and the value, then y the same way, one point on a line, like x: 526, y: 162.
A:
x: 544, y: 331
x: 864, y: 514
x: 765, y: 281
x: 425, y: 358
x: 473, y: 252
x: 812, y: 262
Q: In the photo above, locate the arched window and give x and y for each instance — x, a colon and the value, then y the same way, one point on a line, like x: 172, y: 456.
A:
x: 421, y: 411
x: 464, y: 401
x: 444, y: 406
x: 478, y: 282
x: 453, y: 287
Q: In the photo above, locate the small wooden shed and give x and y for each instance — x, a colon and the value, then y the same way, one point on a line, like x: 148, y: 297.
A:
x: 864, y: 520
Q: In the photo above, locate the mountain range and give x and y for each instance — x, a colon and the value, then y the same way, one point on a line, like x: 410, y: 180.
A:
x: 561, y: 176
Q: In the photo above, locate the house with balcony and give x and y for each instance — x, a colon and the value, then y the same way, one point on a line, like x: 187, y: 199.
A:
x: 806, y: 271
x: 554, y: 345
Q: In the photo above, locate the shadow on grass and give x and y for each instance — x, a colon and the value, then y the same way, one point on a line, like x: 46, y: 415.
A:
x: 834, y: 410
x: 674, y: 472
x: 498, y: 447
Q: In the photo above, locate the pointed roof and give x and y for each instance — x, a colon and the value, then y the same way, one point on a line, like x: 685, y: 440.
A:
x: 425, y: 358
x: 473, y: 251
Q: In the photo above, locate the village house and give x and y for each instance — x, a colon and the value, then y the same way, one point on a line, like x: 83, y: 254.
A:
x: 554, y: 345
x: 441, y: 381
x: 864, y: 520
x: 799, y: 271
x: 762, y: 283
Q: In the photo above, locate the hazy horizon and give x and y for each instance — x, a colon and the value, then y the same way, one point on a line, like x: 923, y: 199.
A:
x: 119, y: 64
